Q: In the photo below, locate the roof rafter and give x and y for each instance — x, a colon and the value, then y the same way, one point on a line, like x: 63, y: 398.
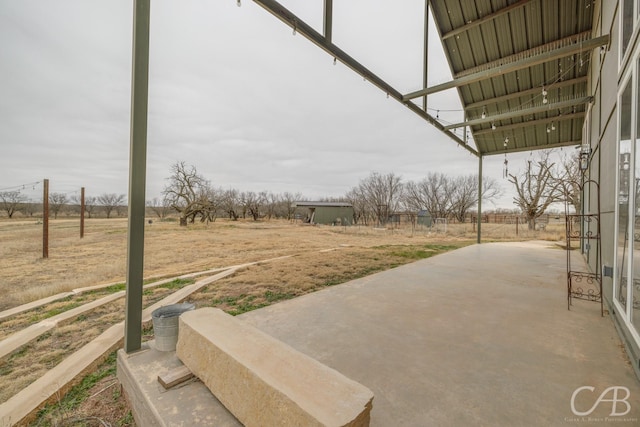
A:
x: 557, y: 119
x: 486, y: 18
x: 523, y: 112
x: 538, y: 55
x: 534, y: 91
x: 535, y: 147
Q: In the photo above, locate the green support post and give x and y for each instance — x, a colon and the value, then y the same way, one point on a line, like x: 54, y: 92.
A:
x: 137, y: 176
x: 479, y: 198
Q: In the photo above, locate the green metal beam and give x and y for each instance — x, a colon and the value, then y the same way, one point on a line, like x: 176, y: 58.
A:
x: 328, y: 20
x: 425, y: 68
x: 541, y: 146
x: 479, y: 219
x: 516, y: 62
x: 137, y: 176
x: 523, y: 112
x: 535, y: 91
x: 529, y: 123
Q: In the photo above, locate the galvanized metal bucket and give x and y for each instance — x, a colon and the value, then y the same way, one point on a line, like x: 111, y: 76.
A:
x: 165, y: 325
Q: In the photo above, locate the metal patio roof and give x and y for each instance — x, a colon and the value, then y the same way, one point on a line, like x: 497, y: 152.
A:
x: 519, y: 66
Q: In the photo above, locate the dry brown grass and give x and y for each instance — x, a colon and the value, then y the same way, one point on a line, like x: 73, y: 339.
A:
x: 100, y: 257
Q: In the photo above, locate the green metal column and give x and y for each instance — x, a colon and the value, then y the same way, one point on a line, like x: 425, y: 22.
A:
x: 137, y: 176
x: 425, y: 67
x: 479, y: 198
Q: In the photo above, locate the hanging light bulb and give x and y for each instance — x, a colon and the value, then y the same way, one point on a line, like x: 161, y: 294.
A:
x: 506, y: 141
x: 505, y: 171
x: 295, y: 30
x: 335, y: 60
x: 239, y: 3
x: 493, y: 126
x: 553, y: 126
x: 544, y: 95
x: 484, y: 113
x: 548, y: 130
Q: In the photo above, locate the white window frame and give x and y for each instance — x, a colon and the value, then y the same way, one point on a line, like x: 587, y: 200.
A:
x: 631, y: 76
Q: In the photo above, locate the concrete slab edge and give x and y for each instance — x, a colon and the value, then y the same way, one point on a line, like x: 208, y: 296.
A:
x: 144, y: 412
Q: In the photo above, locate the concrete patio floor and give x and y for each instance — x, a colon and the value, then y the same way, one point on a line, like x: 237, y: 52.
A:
x: 477, y: 336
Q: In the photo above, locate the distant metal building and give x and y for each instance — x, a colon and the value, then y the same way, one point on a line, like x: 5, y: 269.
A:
x: 424, y: 218
x: 329, y: 213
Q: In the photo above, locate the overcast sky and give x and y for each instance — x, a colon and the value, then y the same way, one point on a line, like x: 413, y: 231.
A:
x: 231, y: 91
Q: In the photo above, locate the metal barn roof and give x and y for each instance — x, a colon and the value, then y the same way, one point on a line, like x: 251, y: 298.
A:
x: 519, y: 66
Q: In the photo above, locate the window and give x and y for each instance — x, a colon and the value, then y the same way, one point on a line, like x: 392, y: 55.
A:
x: 627, y: 19
x: 624, y: 165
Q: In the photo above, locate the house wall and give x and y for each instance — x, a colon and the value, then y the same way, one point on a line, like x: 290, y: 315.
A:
x: 602, y: 128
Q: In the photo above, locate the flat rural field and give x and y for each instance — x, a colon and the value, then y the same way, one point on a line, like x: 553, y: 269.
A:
x: 170, y: 250
x: 294, y: 259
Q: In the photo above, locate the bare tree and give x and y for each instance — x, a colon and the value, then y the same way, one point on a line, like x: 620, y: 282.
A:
x: 464, y: 193
x: 286, y: 204
x: 56, y: 202
x: 272, y: 201
x: 159, y: 206
x: 90, y: 204
x: 433, y: 193
x: 186, y: 192
x: 537, y: 188
x: 252, y: 203
x: 229, y: 203
x: 382, y: 193
x: 11, y: 201
x: 570, y: 180
x: 359, y: 203
x: 110, y: 202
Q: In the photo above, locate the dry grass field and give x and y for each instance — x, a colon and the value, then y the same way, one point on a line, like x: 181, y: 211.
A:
x: 319, y: 256
x: 100, y: 257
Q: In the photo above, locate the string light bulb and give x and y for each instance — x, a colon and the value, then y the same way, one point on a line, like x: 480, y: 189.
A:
x: 493, y: 126
x: 239, y: 3
x: 484, y: 113
x: 335, y: 60
x: 553, y: 126
x: 544, y: 95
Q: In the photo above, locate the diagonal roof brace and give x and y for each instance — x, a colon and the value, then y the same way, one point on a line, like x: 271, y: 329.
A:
x: 324, y: 43
x: 523, y: 112
x: 529, y: 58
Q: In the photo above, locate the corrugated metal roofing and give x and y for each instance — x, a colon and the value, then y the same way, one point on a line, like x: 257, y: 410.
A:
x: 526, y: 63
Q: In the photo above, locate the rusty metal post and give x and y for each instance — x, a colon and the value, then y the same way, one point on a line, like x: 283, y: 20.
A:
x: 45, y: 220
x: 82, y: 212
